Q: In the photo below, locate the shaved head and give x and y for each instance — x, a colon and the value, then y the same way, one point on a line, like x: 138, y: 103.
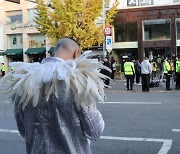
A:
x: 67, y: 48
x: 66, y: 44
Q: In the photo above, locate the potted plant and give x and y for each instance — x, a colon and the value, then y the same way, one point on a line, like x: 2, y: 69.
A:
x: 118, y: 74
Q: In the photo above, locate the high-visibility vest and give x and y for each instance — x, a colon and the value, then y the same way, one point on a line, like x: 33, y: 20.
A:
x: 178, y: 66
x: 12, y: 68
x: 167, y: 67
x: 3, y: 68
x: 129, y: 68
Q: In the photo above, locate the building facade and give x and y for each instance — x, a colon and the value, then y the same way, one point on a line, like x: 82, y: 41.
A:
x: 148, y: 28
x: 20, y: 40
x: 141, y: 28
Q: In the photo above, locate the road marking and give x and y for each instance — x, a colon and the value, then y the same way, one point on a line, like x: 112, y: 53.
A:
x: 164, y: 149
x: 9, y: 131
x: 145, y: 103
x: 176, y: 130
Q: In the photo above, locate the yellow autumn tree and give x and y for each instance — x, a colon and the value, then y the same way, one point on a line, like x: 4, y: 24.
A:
x: 72, y: 18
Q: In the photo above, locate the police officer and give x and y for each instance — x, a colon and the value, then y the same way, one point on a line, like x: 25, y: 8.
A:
x: 3, y: 69
x: 178, y: 73
x: 129, y: 72
x: 12, y: 68
x: 167, y: 73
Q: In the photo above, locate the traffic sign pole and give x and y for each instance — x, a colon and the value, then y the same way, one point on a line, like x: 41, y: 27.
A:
x: 104, y: 38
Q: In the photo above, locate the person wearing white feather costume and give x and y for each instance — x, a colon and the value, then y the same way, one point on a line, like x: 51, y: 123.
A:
x: 55, y: 101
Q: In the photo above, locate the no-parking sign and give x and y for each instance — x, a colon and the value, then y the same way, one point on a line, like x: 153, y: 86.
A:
x: 107, y: 31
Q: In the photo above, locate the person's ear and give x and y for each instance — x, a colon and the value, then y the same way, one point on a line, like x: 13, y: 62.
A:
x: 75, y: 55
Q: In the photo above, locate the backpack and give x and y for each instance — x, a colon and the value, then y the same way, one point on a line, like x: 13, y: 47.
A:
x: 138, y: 68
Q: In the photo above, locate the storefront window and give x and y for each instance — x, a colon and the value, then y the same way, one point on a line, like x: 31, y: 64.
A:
x: 36, y: 41
x: 32, y: 14
x: 156, y: 29
x: 15, y: 41
x: 178, y: 29
x: 14, y: 17
x: 176, y: 1
x: 126, y: 32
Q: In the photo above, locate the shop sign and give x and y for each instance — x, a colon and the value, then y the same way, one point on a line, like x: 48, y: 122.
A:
x: 14, y: 1
x: 14, y: 26
x: 140, y: 2
x: 131, y: 2
x: 145, y: 2
x: 107, y: 4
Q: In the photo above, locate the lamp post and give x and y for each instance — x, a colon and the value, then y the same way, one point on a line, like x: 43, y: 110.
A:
x: 104, y: 38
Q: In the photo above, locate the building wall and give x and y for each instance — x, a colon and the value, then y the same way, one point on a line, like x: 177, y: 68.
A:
x: 139, y: 15
x: 1, y: 38
x: 26, y: 28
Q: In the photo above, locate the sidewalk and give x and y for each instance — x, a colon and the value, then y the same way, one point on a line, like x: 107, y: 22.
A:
x: 121, y: 85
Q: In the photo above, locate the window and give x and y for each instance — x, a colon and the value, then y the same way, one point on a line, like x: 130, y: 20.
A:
x: 37, y: 40
x: 32, y: 14
x: 176, y: 1
x: 156, y: 29
x: 126, y: 32
x: 178, y: 28
x: 15, y: 41
x: 14, y: 17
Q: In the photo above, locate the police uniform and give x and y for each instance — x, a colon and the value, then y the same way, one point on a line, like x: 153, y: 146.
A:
x: 3, y: 69
x: 129, y: 74
x: 178, y: 74
x: 167, y: 73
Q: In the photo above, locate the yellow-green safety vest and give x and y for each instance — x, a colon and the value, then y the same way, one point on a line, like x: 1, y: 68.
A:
x: 178, y: 66
x: 3, y: 68
x: 12, y: 68
x: 167, y: 67
x: 129, y: 68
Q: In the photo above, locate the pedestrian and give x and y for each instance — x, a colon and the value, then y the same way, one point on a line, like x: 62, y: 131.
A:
x: 167, y: 72
x: 55, y: 101
x: 137, y: 67
x: 3, y: 69
x: 133, y: 62
x: 113, y: 68
x: 106, y: 72
x: 129, y: 72
x: 146, y: 71
x: 177, y: 73
x: 154, y: 69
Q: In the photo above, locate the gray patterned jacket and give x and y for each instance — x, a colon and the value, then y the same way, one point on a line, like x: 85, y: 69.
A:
x: 56, y: 127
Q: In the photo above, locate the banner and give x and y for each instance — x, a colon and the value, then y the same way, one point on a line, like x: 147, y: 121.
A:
x: 14, y: 1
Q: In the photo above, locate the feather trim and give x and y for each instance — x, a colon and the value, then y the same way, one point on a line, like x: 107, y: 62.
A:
x: 82, y: 76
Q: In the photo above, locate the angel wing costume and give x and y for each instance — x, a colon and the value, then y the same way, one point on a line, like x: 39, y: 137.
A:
x: 55, y: 105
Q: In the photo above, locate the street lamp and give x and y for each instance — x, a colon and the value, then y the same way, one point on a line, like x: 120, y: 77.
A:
x: 104, y: 17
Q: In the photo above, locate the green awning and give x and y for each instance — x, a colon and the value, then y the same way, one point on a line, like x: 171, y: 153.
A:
x: 35, y: 51
x: 12, y: 52
x: 51, y: 50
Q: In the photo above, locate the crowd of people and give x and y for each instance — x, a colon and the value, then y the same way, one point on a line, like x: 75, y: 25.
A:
x: 60, y: 114
x: 147, y: 71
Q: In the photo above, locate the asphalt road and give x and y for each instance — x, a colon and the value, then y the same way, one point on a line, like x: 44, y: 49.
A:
x: 136, y: 123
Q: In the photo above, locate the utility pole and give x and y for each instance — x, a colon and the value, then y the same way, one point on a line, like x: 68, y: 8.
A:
x: 104, y: 38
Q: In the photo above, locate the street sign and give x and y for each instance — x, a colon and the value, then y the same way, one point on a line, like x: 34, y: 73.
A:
x: 108, y: 42
x: 107, y: 31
